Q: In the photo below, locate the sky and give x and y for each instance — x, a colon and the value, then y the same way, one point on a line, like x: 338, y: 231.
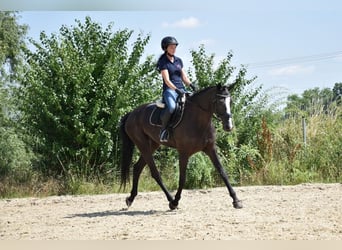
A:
x: 289, y: 45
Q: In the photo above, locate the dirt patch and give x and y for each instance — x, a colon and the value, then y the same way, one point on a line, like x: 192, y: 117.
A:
x: 307, y: 211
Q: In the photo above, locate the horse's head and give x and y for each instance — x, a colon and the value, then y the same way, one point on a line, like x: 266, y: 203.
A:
x: 222, y: 103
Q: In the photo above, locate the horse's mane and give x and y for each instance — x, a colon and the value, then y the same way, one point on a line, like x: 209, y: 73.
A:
x: 200, y: 92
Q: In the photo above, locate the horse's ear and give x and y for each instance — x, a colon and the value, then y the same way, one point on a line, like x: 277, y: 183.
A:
x: 231, y: 87
x: 219, y: 86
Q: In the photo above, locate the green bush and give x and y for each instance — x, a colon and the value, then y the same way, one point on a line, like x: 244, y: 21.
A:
x: 200, y: 172
x: 77, y: 86
x: 14, y: 155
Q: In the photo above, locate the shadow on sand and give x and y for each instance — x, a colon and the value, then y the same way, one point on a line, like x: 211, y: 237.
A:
x: 121, y: 212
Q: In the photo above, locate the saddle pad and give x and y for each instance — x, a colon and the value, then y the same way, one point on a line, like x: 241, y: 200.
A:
x: 155, y: 116
x: 175, y: 119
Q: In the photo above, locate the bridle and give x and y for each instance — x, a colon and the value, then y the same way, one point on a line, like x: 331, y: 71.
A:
x: 214, y: 101
x: 221, y: 96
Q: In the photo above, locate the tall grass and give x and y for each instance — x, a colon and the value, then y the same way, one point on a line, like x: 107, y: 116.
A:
x: 286, y: 159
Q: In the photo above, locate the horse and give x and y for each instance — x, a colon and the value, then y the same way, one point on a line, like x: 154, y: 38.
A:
x: 194, y: 133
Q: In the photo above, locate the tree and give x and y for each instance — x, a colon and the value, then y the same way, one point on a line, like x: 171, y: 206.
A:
x: 248, y: 108
x: 312, y: 101
x: 207, y: 75
x: 77, y: 86
x: 337, y: 92
x: 14, y: 155
x: 12, y: 42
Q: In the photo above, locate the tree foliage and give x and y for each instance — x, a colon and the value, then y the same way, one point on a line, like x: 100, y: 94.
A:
x: 314, y: 101
x: 11, y: 45
x: 14, y: 154
x: 246, y: 107
x: 77, y: 86
x: 12, y: 37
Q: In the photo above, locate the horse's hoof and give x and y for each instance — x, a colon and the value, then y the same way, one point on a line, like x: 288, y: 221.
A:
x: 237, y: 204
x: 173, y: 205
x: 128, y: 202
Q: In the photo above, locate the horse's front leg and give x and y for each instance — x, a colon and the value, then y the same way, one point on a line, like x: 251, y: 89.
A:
x: 211, y: 152
x: 183, y: 162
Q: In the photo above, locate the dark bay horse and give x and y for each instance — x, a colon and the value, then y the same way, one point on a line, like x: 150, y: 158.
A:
x: 193, y: 134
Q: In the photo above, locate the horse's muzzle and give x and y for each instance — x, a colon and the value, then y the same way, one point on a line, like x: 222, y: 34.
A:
x: 228, y: 124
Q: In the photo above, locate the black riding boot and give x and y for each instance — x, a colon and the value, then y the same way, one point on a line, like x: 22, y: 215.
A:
x: 164, y: 133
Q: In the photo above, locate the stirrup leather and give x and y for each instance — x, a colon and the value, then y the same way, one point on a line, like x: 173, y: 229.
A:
x: 164, y: 135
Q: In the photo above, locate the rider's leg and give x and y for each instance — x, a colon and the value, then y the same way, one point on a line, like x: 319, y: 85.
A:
x: 164, y: 135
x: 170, y: 97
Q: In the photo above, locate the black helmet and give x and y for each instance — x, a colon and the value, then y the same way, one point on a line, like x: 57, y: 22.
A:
x: 168, y: 41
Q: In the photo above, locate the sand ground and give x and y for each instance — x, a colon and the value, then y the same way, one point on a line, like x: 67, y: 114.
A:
x: 306, y: 211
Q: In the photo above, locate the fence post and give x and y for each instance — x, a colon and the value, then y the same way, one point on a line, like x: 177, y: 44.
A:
x: 304, y: 130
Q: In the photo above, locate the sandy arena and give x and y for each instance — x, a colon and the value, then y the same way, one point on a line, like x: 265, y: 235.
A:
x: 306, y: 211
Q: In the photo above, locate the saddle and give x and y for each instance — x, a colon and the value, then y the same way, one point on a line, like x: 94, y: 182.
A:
x: 176, y: 117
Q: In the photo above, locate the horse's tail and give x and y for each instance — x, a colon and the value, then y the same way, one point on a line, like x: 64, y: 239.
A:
x: 127, y: 147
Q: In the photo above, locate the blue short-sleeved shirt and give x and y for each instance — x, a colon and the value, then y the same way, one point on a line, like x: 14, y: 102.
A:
x: 174, y: 68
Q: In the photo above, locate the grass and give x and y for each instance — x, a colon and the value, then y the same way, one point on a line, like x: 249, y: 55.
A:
x: 285, y: 159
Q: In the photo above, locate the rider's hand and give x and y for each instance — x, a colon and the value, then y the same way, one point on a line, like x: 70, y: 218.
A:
x: 180, y: 91
x: 193, y: 87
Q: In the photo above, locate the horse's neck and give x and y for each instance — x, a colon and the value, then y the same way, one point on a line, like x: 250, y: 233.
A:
x: 199, y: 112
x: 204, y: 101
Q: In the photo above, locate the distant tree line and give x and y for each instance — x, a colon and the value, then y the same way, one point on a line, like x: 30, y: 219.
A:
x: 312, y: 99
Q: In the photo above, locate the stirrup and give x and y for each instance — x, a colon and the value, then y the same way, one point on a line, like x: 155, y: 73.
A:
x: 164, y: 136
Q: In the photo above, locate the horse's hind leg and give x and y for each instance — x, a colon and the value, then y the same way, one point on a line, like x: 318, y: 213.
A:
x: 147, y: 154
x: 137, y: 169
x: 146, y: 158
x: 156, y: 175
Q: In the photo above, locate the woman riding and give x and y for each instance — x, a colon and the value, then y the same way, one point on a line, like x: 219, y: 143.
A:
x: 173, y: 74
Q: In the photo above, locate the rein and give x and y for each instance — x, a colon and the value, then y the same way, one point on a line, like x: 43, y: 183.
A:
x: 225, y: 96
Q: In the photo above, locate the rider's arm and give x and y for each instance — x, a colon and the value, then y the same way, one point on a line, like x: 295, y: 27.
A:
x: 166, y: 77
x: 185, y: 78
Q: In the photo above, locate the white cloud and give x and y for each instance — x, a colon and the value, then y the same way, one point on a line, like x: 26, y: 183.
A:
x: 292, y: 70
x: 187, y: 23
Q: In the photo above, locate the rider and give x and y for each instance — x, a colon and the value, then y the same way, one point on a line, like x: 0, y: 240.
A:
x: 173, y: 74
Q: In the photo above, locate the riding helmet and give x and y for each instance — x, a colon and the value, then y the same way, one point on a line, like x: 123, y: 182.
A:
x: 168, y: 40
